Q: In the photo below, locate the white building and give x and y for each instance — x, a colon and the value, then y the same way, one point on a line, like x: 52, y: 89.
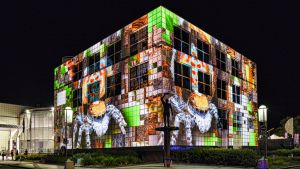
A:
x: 10, y: 127
x: 38, y: 133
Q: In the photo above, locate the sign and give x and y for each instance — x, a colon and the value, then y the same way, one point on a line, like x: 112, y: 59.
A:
x: 61, y: 98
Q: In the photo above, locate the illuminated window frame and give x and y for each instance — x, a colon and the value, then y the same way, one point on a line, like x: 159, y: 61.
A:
x: 181, y: 40
x: 204, y: 83
x: 203, y: 51
x: 138, y: 76
x: 182, y: 75
x: 113, y: 85
x: 138, y: 41
x: 234, y: 68
x: 221, y: 89
x: 236, y: 94
x: 221, y: 60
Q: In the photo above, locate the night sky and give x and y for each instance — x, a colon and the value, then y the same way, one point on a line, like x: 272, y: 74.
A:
x: 36, y: 34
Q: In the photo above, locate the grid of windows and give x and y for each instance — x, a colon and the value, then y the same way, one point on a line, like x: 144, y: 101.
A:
x: 182, y: 75
x: 93, y: 92
x: 234, y: 68
x: 139, y: 76
x: 77, y: 97
x: 221, y: 89
x: 181, y: 40
x: 223, y: 118
x: 203, y: 51
x: 113, y: 85
x: 114, y: 53
x: 139, y: 41
x: 94, y: 63
x: 236, y: 94
x: 221, y: 60
x: 77, y: 69
x: 237, y: 121
x: 204, y: 83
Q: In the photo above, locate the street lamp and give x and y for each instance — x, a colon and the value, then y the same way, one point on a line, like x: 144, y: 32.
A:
x: 262, y: 118
x: 68, y: 119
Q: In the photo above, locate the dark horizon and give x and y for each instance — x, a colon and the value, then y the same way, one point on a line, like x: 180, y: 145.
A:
x: 36, y: 35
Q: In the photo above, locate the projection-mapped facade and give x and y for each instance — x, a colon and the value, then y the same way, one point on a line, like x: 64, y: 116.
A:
x: 116, y: 88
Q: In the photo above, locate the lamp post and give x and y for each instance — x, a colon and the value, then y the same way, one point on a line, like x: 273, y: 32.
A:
x: 68, y: 119
x: 262, y: 118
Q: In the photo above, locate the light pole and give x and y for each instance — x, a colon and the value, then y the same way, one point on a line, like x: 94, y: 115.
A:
x: 262, y: 118
x: 68, y: 119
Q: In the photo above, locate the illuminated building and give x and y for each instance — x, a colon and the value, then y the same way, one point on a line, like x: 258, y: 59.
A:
x: 115, y: 87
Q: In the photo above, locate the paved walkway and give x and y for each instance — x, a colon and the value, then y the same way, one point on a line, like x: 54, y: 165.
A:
x: 145, y: 166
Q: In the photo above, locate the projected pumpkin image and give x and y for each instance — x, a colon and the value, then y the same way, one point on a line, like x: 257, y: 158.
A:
x: 197, y: 111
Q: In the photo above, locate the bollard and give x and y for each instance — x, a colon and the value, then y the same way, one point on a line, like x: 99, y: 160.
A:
x: 69, y: 164
x: 262, y: 163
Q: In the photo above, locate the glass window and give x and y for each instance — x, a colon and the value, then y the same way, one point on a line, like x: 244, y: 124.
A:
x: 139, y: 76
x: 204, y: 83
x: 203, y: 51
x: 182, y: 75
x: 236, y: 94
x: 221, y: 89
x: 221, y: 60
x: 181, y: 40
x: 234, y: 68
x: 113, y: 85
x: 139, y: 41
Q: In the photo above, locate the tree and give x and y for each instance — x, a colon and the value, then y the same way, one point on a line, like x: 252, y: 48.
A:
x: 281, y: 130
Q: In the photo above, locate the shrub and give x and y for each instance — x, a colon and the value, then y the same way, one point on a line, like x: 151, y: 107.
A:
x: 285, y: 152
x: 241, y: 157
x: 109, y: 161
x: 88, y: 160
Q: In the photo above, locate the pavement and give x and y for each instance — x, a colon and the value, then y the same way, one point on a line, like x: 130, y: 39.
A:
x: 21, y: 164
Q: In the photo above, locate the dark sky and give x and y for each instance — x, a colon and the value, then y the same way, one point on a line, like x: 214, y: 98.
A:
x: 36, y: 34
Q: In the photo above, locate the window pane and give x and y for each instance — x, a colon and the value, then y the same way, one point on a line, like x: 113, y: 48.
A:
x: 185, y: 48
x: 118, y: 89
x: 200, y: 77
x: 133, y: 49
x: 117, y: 57
x: 200, y: 55
x: 223, y: 85
x: 224, y: 94
x: 219, y: 94
x: 200, y: 88
x: 206, y: 58
x: 185, y: 36
x: 177, y: 32
x: 186, y: 71
x: 178, y: 80
x: 199, y: 44
x: 217, y: 54
x: 219, y: 85
x: 186, y: 83
x: 223, y: 57
x: 110, y: 60
x: 177, y: 44
x: 223, y: 66
x: 206, y: 78
x: 206, y: 48
x: 133, y: 38
x: 207, y: 89
x: 177, y: 67
x: 118, y: 46
x: 110, y: 50
x: 118, y: 78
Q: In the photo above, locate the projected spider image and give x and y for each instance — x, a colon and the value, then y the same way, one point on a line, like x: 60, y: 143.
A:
x: 97, y: 120
x: 197, y: 111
